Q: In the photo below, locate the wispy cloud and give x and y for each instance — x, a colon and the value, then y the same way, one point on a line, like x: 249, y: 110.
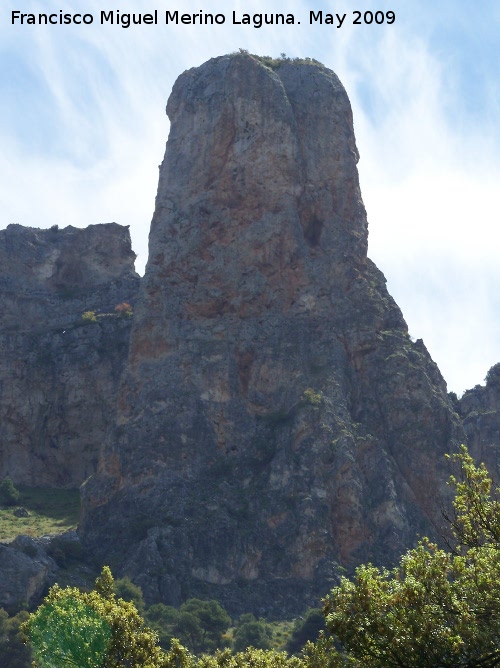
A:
x: 83, y: 129
x: 429, y: 181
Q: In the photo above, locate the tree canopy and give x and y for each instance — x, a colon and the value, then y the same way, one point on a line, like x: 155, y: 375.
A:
x: 306, y: 629
x: 436, y: 608
x: 95, y: 629
x: 251, y: 632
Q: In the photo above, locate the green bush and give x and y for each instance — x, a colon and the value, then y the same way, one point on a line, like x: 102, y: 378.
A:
x: 493, y: 376
x: 14, y: 653
x: 250, y: 658
x: 252, y: 632
x: 311, y: 397
x: 91, y: 630
x: 126, y: 589
x: 161, y: 618
x: 201, y: 625
x: 306, y: 629
x: 9, y: 495
x: 89, y: 316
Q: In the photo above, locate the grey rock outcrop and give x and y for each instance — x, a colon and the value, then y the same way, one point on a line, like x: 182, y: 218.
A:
x: 25, y: 573
x: 59, y: 376
x: 274, y: 419
x: 479, y: 409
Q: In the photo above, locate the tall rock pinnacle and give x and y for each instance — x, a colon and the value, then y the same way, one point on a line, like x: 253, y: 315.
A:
x: 275, y: 419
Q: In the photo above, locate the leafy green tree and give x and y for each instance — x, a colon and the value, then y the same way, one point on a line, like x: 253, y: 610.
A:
x: 306, y: 629
x: 9, y: 494
x: 74, y: 628
x: 4, y: 618
x: 324, y: 654
x: 68, y: 632
x: 178, y: 657
x: 201, y: 625
x: 162, y: 619
x: 436, y: 608
x: 475, y: 519
x: 493, y: 376
x: 252, y: 632
x: 126, y: 589
x: 250, y: 658
x: 14, y: 653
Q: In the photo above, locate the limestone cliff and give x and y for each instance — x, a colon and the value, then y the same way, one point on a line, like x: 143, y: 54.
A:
x: 274, y: 418
x: 58, y: 375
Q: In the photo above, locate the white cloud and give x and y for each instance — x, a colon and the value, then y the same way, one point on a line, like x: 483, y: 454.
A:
x: 429, y: 183
x: 429, y: 169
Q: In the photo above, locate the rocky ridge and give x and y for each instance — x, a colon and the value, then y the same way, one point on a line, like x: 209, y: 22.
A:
x: 479, y: 409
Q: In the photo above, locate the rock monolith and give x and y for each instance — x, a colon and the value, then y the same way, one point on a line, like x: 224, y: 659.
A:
x: 275, y: 420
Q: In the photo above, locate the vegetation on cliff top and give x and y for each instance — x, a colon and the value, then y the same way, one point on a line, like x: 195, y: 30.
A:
x: 276, y: 63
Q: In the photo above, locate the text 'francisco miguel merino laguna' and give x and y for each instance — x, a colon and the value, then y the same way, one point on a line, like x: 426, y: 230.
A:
x: 125, y: 20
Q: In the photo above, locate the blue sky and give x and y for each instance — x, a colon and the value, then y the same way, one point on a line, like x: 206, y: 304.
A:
x: 83, y: 130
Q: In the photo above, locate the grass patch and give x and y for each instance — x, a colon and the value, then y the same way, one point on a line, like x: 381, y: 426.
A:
x: 50, y: 511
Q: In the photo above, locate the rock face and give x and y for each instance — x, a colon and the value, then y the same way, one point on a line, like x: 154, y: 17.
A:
x: 480, y: 412
x: 274, y: 419
x: 25, y: 573
x: 58, y: 375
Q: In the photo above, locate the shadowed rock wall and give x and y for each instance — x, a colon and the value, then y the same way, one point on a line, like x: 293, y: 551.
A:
x: 58, y: 375
x: 479, y: 409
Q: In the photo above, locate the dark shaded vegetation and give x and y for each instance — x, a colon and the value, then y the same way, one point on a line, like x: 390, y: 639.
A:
x: 9, y: 494
x: 252, y: 632
x: 493, y: 376
x: 306, y: 629
x: 14, y: 653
